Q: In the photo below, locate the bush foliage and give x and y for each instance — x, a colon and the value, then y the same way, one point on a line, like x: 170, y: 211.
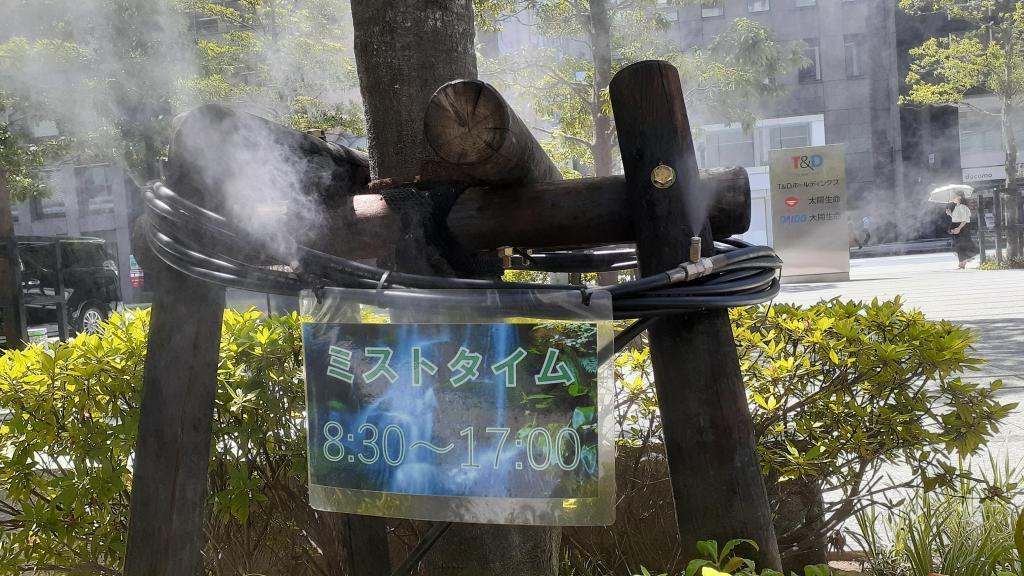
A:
x: 72, y: 415
x: 836, y: 390
x: 840, y: 393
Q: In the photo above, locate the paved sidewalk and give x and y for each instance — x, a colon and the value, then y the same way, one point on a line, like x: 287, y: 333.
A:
x: 989, y: 301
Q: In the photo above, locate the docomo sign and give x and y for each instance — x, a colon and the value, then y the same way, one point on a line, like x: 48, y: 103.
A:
x: 809, y: 162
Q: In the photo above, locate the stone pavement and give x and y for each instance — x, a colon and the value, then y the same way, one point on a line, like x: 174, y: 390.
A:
x: 989, y: 301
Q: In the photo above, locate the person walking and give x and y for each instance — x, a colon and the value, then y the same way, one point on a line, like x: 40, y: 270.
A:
x: 960, y: 217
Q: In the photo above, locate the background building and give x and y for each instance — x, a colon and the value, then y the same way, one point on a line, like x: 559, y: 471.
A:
x: 848, y: 94
x: 92, y: 200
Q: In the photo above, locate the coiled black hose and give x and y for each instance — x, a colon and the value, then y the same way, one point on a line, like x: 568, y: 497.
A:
x: 207, y: 245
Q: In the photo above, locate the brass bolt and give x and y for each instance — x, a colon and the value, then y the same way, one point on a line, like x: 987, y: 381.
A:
x: 663, y: 176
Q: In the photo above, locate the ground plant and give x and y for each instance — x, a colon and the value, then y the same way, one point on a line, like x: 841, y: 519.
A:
x: 974, y: 528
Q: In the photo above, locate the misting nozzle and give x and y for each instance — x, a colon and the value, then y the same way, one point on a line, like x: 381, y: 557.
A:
x: 695, y: 249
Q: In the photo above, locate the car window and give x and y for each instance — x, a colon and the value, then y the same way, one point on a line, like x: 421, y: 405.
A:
x: 83, y: 254
x: 36, y: 257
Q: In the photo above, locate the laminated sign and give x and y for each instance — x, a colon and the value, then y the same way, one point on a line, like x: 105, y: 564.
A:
x: 810, y: 224
x: 469, y: 406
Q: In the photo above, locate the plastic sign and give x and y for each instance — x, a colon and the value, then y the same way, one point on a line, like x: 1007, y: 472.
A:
x: 810, y: 226
x: 471, y: 422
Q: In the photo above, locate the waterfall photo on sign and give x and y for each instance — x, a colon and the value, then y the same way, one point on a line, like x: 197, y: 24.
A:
x: 460, y: 411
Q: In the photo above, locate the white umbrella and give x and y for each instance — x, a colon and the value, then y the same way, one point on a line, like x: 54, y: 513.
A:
x: 945, y: 194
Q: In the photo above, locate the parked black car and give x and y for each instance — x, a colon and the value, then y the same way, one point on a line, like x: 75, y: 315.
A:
x: 87, y: 276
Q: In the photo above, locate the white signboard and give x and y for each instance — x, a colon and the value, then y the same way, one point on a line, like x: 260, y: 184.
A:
x: 809, y: 220
x: 988, y: 173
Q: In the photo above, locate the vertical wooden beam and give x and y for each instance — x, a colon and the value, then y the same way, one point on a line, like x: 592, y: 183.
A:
x: 179, y: 386
x: 716, y: 478
x: 172, y: 451
x: 15, y: 331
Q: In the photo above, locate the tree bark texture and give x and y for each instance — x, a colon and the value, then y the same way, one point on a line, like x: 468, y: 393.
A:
x: 800, y: 513
x: 709, y: 436
x: 601, y: 51
x: 405, y: 50
x: 414, y: 48
x: 1012, y: 207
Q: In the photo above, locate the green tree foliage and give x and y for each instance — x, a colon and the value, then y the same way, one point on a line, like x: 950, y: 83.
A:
x: 290, y: 58
x: 989, y: 58
x: 21, y: 104
x: 567, y: 87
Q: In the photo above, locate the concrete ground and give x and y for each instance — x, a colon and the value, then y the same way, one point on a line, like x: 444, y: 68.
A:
x: 991, y: 302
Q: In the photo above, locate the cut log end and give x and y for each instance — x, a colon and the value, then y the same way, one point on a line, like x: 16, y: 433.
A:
x: 466, y: 122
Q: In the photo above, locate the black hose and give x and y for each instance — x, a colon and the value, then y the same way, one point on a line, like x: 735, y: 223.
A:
x: 205, y: 244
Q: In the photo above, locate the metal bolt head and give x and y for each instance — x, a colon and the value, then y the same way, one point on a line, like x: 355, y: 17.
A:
x: 663, y: 176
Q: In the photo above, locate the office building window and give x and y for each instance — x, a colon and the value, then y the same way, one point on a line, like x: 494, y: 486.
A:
x: 758, y: 5
x: 729, y: 147
x: 979, y: 132
x: 812, y: 71
x: 779, y: 137
x: 93, y: 186
x: 853, y: 46
x: 711, y: 8
x: 791, y: 136
x: 806, y: 3
x: 52, y: 204
x: 667, y: 11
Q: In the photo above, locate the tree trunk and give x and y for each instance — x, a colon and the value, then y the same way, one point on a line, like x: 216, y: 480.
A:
x: 1013, y: 207
x: 1013, y: 210
x: 800, y: 514
x: 405, y: 50
x: 12, y: 300
x: 601, y: 50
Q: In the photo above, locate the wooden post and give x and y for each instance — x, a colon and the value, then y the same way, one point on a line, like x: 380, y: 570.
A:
x: 13, y: 298
x: 172, y: 450
x: 716, y: 478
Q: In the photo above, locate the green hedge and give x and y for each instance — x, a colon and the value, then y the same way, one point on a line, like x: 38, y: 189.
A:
x: 837, y: 390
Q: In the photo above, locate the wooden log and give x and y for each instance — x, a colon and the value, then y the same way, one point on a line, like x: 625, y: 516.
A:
x: 219, y: 143
x: 468, y: 124
x: 534, y: 216
x: 214, y: 143
x: 708, y: 432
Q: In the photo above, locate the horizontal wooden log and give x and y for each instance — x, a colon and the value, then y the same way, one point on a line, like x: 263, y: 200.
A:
x: 470, y: 126
x: 214, y: 144
x: 582, y: 212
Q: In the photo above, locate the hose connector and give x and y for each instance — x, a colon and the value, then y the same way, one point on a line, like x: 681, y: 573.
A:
x: 688, y: 271
x: 694, y: 249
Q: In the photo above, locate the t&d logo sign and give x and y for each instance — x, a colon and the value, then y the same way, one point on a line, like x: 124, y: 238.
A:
x: 791, y: 202
x: 809, y: 162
